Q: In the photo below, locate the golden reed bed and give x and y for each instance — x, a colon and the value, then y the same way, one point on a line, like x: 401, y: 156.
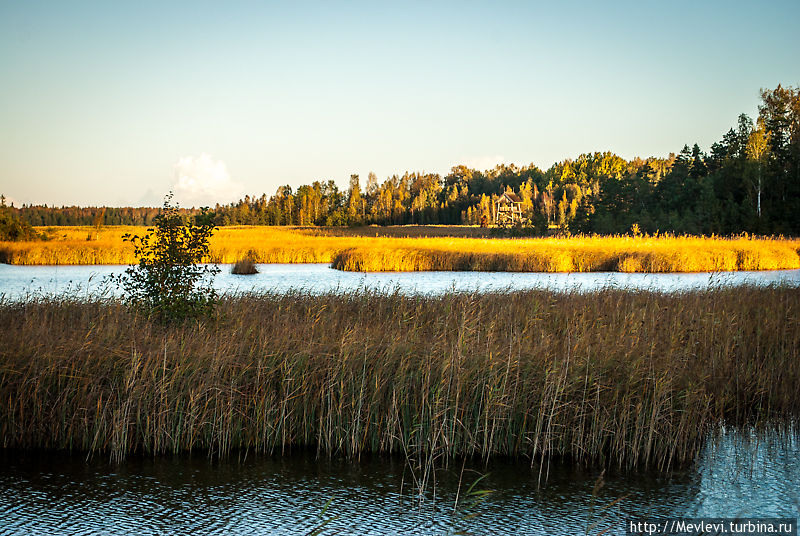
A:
x: 628, y: 379
x: 416, y: 248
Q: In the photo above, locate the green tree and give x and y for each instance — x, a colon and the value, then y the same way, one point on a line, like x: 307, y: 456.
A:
x: 13, y: 229
x: 757, y: 146
x: 355, y: 203
x: 169, y: 282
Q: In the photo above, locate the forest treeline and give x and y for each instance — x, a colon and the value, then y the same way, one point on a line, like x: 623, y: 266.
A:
x: 749, y: 181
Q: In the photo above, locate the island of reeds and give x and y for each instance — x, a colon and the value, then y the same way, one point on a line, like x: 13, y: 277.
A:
x: 617, y: 378
x: 414, y: 248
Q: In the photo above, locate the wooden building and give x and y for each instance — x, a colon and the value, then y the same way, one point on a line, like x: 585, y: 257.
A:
x: 509, y: 210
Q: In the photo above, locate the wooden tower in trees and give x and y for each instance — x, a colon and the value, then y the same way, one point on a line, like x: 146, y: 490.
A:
x: 509, y: 210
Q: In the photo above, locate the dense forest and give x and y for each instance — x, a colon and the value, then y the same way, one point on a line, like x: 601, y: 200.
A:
x: 749, y: 181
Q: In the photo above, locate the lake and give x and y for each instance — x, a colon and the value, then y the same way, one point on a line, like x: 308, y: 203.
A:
x: 18, y: 282
x: 739, y: 474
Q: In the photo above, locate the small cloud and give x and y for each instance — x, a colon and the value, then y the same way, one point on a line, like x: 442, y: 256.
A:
x: 482, y: 163
x: 150, y: 199
x: 203, y: 181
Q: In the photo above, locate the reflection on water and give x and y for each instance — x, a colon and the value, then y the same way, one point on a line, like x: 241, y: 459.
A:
x: 747, y: 466
x: 45, y: 493
x: 20, y: 281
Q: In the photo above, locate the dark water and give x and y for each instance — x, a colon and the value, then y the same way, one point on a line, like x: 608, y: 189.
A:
x: 19, y: 282
x: 58, y: 494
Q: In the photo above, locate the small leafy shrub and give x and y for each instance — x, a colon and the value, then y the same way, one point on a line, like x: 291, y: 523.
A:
x: 169, y: 282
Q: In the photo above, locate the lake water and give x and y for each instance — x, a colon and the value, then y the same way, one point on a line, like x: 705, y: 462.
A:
x: 17, y: 282
x: 738, y: 475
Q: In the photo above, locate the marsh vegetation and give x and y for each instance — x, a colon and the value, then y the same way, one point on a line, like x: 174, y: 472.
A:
x: 244, y: 266
x: 416, y: 248
x: 612, y: 377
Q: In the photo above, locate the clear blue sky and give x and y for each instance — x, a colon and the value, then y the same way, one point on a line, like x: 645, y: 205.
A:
x: 117, y: 102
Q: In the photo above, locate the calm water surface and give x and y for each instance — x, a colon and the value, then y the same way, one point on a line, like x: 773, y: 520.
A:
x: 17, y: 282
x: 58, y: 494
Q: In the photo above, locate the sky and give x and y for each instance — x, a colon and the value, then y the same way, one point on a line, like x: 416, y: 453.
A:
x: 117, y: 103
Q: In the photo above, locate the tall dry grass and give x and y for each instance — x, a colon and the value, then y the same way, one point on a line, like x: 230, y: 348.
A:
x: 409, y: 249
x: 576, y: 254
x: 613, y: 377
x: 69, y: 245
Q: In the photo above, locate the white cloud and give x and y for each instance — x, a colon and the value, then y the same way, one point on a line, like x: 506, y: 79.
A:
x: 203, y: 181
x: 482, y: 163
x: 149, y: 199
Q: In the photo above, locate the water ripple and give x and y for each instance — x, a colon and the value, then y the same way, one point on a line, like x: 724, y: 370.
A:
x: 739, y: 474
